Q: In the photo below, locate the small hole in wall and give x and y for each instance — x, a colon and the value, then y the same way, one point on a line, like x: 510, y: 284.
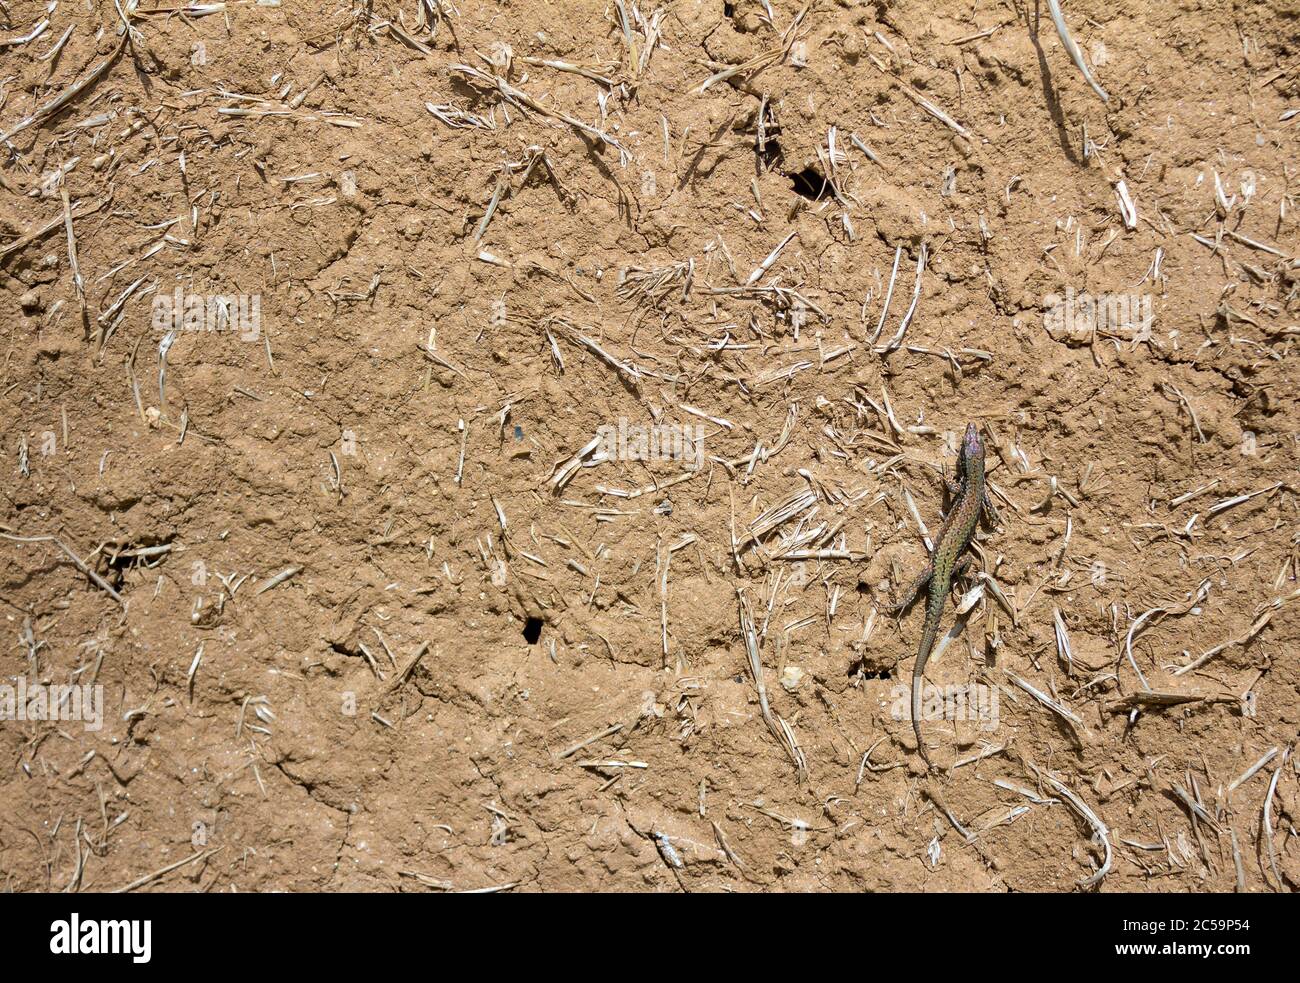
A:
x: 532, y: 630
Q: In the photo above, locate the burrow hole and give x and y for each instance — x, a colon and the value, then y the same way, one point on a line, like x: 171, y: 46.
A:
x: 811, y: 184
x: 532, y: 630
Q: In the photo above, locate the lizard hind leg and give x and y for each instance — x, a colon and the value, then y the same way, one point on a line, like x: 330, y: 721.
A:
x: 913, y: 591
x: 959, y: 570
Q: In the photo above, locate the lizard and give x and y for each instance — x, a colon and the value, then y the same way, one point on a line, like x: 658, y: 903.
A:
x: 946, y: 562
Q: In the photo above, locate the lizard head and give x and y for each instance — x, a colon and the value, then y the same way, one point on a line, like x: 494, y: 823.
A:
x: 972, y: 450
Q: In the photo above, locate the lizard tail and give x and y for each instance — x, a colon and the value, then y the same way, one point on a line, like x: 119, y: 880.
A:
x: 918, y: 677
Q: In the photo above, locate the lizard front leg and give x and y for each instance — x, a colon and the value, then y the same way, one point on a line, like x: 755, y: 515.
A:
x: 987, y: 510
